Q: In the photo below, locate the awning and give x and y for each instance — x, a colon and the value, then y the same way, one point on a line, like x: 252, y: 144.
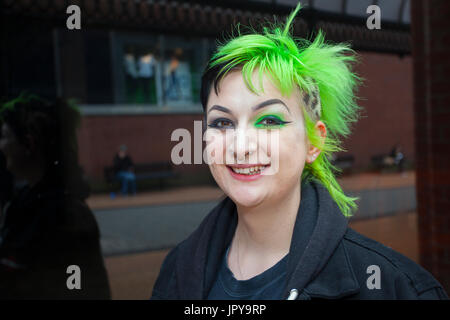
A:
x: 341, y: 20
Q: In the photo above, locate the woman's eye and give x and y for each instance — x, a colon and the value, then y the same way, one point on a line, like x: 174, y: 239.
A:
x: 221, y: 124
x: 270, y: 122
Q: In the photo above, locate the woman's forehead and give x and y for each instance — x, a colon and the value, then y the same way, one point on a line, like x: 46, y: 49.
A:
x: 234, y: 91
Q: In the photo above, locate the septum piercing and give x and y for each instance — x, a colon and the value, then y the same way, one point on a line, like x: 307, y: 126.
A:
x: 230, y: 149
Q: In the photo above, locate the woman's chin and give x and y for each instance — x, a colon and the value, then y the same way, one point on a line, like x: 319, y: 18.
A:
x: 246, y: 198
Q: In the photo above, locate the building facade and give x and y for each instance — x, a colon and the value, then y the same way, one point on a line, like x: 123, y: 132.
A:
x: 134, y: 67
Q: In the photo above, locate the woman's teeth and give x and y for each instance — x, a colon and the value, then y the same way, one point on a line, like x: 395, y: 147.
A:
x: 248, y: 171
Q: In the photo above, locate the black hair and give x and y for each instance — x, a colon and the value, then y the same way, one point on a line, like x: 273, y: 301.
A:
x: 53, y: 124
x: 209, y: 80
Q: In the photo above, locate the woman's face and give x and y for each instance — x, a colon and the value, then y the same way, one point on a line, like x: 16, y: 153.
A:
x: 256, y: 143
x: 15, y: 152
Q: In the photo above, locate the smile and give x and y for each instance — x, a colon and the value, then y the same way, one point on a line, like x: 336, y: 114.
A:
x: 246, y: 172
x: 249, y: 170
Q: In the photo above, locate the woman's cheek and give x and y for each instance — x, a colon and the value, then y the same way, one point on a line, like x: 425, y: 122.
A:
x: 214, y: 153
x: 293, y: 152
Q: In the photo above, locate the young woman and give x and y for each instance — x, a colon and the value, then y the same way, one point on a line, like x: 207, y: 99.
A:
x: 281, y: 232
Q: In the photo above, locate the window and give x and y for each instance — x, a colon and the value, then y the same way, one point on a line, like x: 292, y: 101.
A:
x: 111, y: 72
x: 158, y: 71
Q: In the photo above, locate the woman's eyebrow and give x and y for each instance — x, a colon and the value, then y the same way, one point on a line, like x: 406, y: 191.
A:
x: 268, y: 103
x: 257, y: 107
x: 219, y: 108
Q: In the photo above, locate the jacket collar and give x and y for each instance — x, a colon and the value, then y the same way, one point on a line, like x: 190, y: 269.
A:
x: 206, y: 246
x: 318, y: 265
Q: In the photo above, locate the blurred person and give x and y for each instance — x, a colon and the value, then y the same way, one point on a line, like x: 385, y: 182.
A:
x: 395, y: 158
x: 146, y: 72
x: 129, y: 60
x: 398, y: 157
x: 124, y: 171
x: 174, y: 89
x: 131, y: 73
x: 47, y: 227
x: 283, y: 234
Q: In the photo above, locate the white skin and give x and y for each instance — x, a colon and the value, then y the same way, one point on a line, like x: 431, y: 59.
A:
x: 23, y: 161
x: 267, y: 207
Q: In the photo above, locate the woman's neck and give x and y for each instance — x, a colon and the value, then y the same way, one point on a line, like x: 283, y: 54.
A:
x: 263, y: 234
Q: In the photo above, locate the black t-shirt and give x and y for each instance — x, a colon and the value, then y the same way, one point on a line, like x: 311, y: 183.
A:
x: 268, y: 285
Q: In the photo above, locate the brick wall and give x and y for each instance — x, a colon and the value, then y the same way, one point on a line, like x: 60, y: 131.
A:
x: 147, y: 138
x: 431, y: 52
x: 386, y: 98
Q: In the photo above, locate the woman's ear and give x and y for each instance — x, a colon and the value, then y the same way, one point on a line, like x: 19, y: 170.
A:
x: 313, y: 152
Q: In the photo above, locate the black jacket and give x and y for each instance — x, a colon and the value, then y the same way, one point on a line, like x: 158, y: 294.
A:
x: 327, y: 259
x: 122, y: 164
x: 43, y: 231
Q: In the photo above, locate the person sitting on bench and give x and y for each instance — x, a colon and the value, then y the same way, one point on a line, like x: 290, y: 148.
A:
x: 124, y: 172
x: 395, y: 158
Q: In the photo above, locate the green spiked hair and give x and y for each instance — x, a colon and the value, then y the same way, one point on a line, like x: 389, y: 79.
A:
x: 321, y: 71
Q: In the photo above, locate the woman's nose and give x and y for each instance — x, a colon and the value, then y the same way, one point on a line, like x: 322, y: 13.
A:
x: 244, y: 144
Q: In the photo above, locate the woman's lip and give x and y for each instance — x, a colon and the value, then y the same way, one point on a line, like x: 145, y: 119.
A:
x: 241, y: 166
x: 245, y: 177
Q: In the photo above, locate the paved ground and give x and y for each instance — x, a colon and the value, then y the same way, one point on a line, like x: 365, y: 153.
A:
x: 136, y: 230
x: 160, y: 220
x: 129, y: 230
x: 364, y: 181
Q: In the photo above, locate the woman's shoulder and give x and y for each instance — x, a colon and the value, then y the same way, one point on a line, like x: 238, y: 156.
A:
x: 371, y: 260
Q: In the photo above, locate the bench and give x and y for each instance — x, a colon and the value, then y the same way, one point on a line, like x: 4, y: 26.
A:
x: 377, y: 161
x: 145, y: 171
x: 385, y: 162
